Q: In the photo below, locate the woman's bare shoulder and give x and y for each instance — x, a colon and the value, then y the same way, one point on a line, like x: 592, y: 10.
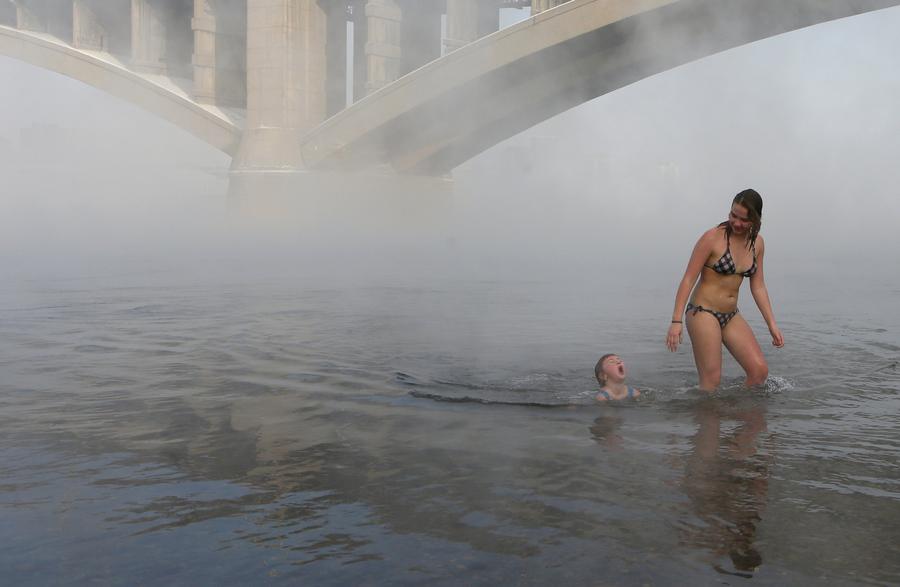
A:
x: 712, y: 235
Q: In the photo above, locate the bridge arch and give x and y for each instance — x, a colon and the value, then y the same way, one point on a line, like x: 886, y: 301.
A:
x: 103, y: 71
x: 448, y: 111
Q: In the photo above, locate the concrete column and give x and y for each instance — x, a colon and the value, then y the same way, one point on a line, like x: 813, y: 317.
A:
x: 88, y: 31
x: 45, y: 16
x: 30, y: 16
x: 231, y: 52
x: 420, y: 33
x: 203, y: 24
x: 488, y: 17
x: 336, y: 51
x: 542, y: 5
x: 462, y: 24
x: 8, y: 15
x: 360, y: 34
x: 383, y: 51
x: 285, y: 82
x: 148, y: 36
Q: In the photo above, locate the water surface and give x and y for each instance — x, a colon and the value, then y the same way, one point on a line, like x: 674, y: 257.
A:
x: 269, y: 431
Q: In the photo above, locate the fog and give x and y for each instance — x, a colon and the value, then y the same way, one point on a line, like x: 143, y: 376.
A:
x: 616, y: 189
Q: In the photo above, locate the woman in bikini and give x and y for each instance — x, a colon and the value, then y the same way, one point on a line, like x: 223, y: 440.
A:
x: 722, y: 258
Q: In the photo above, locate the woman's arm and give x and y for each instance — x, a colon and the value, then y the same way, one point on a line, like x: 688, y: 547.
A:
x: 694, y: 267
x: 761, y: 296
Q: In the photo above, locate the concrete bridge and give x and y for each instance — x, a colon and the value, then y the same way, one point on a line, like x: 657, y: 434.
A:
x: 427, y: 84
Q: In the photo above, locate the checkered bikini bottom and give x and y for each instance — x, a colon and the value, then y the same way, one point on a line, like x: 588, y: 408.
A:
x: 722, y: 317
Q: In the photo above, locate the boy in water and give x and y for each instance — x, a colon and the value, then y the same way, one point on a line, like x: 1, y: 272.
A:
x: 610, y: 374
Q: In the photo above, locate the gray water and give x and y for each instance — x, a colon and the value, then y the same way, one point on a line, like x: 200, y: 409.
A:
x: 167, y: 429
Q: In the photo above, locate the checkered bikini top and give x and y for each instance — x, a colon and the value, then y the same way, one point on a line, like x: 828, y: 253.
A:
x: 725, y: 264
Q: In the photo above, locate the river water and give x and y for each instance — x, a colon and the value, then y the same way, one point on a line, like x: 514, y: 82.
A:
x: 176, y: 430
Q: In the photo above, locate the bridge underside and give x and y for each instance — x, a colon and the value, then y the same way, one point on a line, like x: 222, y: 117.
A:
x: 161, y: 95
x: 447, y: 112
x: 264, y: 79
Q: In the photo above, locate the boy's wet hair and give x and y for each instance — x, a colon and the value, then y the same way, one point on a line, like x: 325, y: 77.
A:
x: 598, y: 368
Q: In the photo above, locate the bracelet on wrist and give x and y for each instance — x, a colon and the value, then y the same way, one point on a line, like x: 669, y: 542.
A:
x: 676, y: 322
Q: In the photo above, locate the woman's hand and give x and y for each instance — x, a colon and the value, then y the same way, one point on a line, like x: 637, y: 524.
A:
x: 674, y: 336
x: 777, y: 337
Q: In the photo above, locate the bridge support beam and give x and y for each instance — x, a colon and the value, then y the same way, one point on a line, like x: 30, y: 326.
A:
x: 8, y: 14
x: 538, y: 6
x: 53, y: 17
x: 336, y: 51
x: 383, y: 48
x: 204, y: 25
x: 469, y: 20
x: 148, y: 36
x: 420, y: 33
x: 161, y: 37
x: 286, y: 66
x: 87, y: 30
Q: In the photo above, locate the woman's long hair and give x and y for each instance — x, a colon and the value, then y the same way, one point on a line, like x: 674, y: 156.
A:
x: 752, y: 201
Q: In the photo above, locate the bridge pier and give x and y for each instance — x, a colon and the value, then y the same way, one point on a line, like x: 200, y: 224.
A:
x: 469, y: 20
x: 420, y: 33
x: 336, y: 55
x: 161, y: 37
x: 8, y: 14
x: 538, y: 6
x: 53, y: 17
x: 204, y: 25
x: 383, y: 49
x: 97, y: 25
x: 286, y: 66
x: 87, y: 31
x: 148, y: 36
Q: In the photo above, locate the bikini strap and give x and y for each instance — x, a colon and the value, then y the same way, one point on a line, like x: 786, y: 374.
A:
x: 606, y: 395
x: 630, y: 392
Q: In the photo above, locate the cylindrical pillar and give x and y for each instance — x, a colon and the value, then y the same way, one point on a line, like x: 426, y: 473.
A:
x: 488, y: 17
x: 8, y: 14
x: 420, y: 33
x: 46, y: 16
x: 285, y: 82
x: 30, y: 17
x: 203, y: 24
x: 538, y: 6
x: 462, y: 24
x: 87, y: 29
x: 336, y: 52
x: 383, y: 51
x: 360, y: 34
x: 148, y: 36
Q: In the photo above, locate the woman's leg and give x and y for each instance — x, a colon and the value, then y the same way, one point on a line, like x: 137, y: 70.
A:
x: 706, y: 341
x: 741, y: 343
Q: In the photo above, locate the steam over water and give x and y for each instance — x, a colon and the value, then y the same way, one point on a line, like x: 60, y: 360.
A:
x: 242, y: 433
x: 393, y: 385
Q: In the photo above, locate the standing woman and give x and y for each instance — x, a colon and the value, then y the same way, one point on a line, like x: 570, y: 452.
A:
x: 722, y: 258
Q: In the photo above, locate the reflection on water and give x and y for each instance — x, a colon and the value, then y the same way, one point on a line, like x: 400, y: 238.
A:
x: 726, y: 479
x: 605, y: 430
x: 239, y: 436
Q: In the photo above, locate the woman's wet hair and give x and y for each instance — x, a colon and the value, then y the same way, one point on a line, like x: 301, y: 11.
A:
x: 598, y: 368
x: 752, y: 201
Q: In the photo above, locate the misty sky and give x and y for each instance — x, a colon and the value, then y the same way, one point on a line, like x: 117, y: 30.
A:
x: 811, y: 119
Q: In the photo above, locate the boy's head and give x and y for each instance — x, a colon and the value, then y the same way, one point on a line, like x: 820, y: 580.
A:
x: 609, y: 367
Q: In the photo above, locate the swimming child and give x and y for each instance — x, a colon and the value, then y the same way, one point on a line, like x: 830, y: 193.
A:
x: 610, y: 374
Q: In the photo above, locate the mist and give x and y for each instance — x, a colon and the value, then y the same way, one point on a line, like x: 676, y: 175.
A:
x: 621, y: 186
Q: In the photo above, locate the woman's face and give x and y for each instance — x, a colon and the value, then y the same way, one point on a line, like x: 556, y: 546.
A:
x: 614, y: 369
x: 739, y: 219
